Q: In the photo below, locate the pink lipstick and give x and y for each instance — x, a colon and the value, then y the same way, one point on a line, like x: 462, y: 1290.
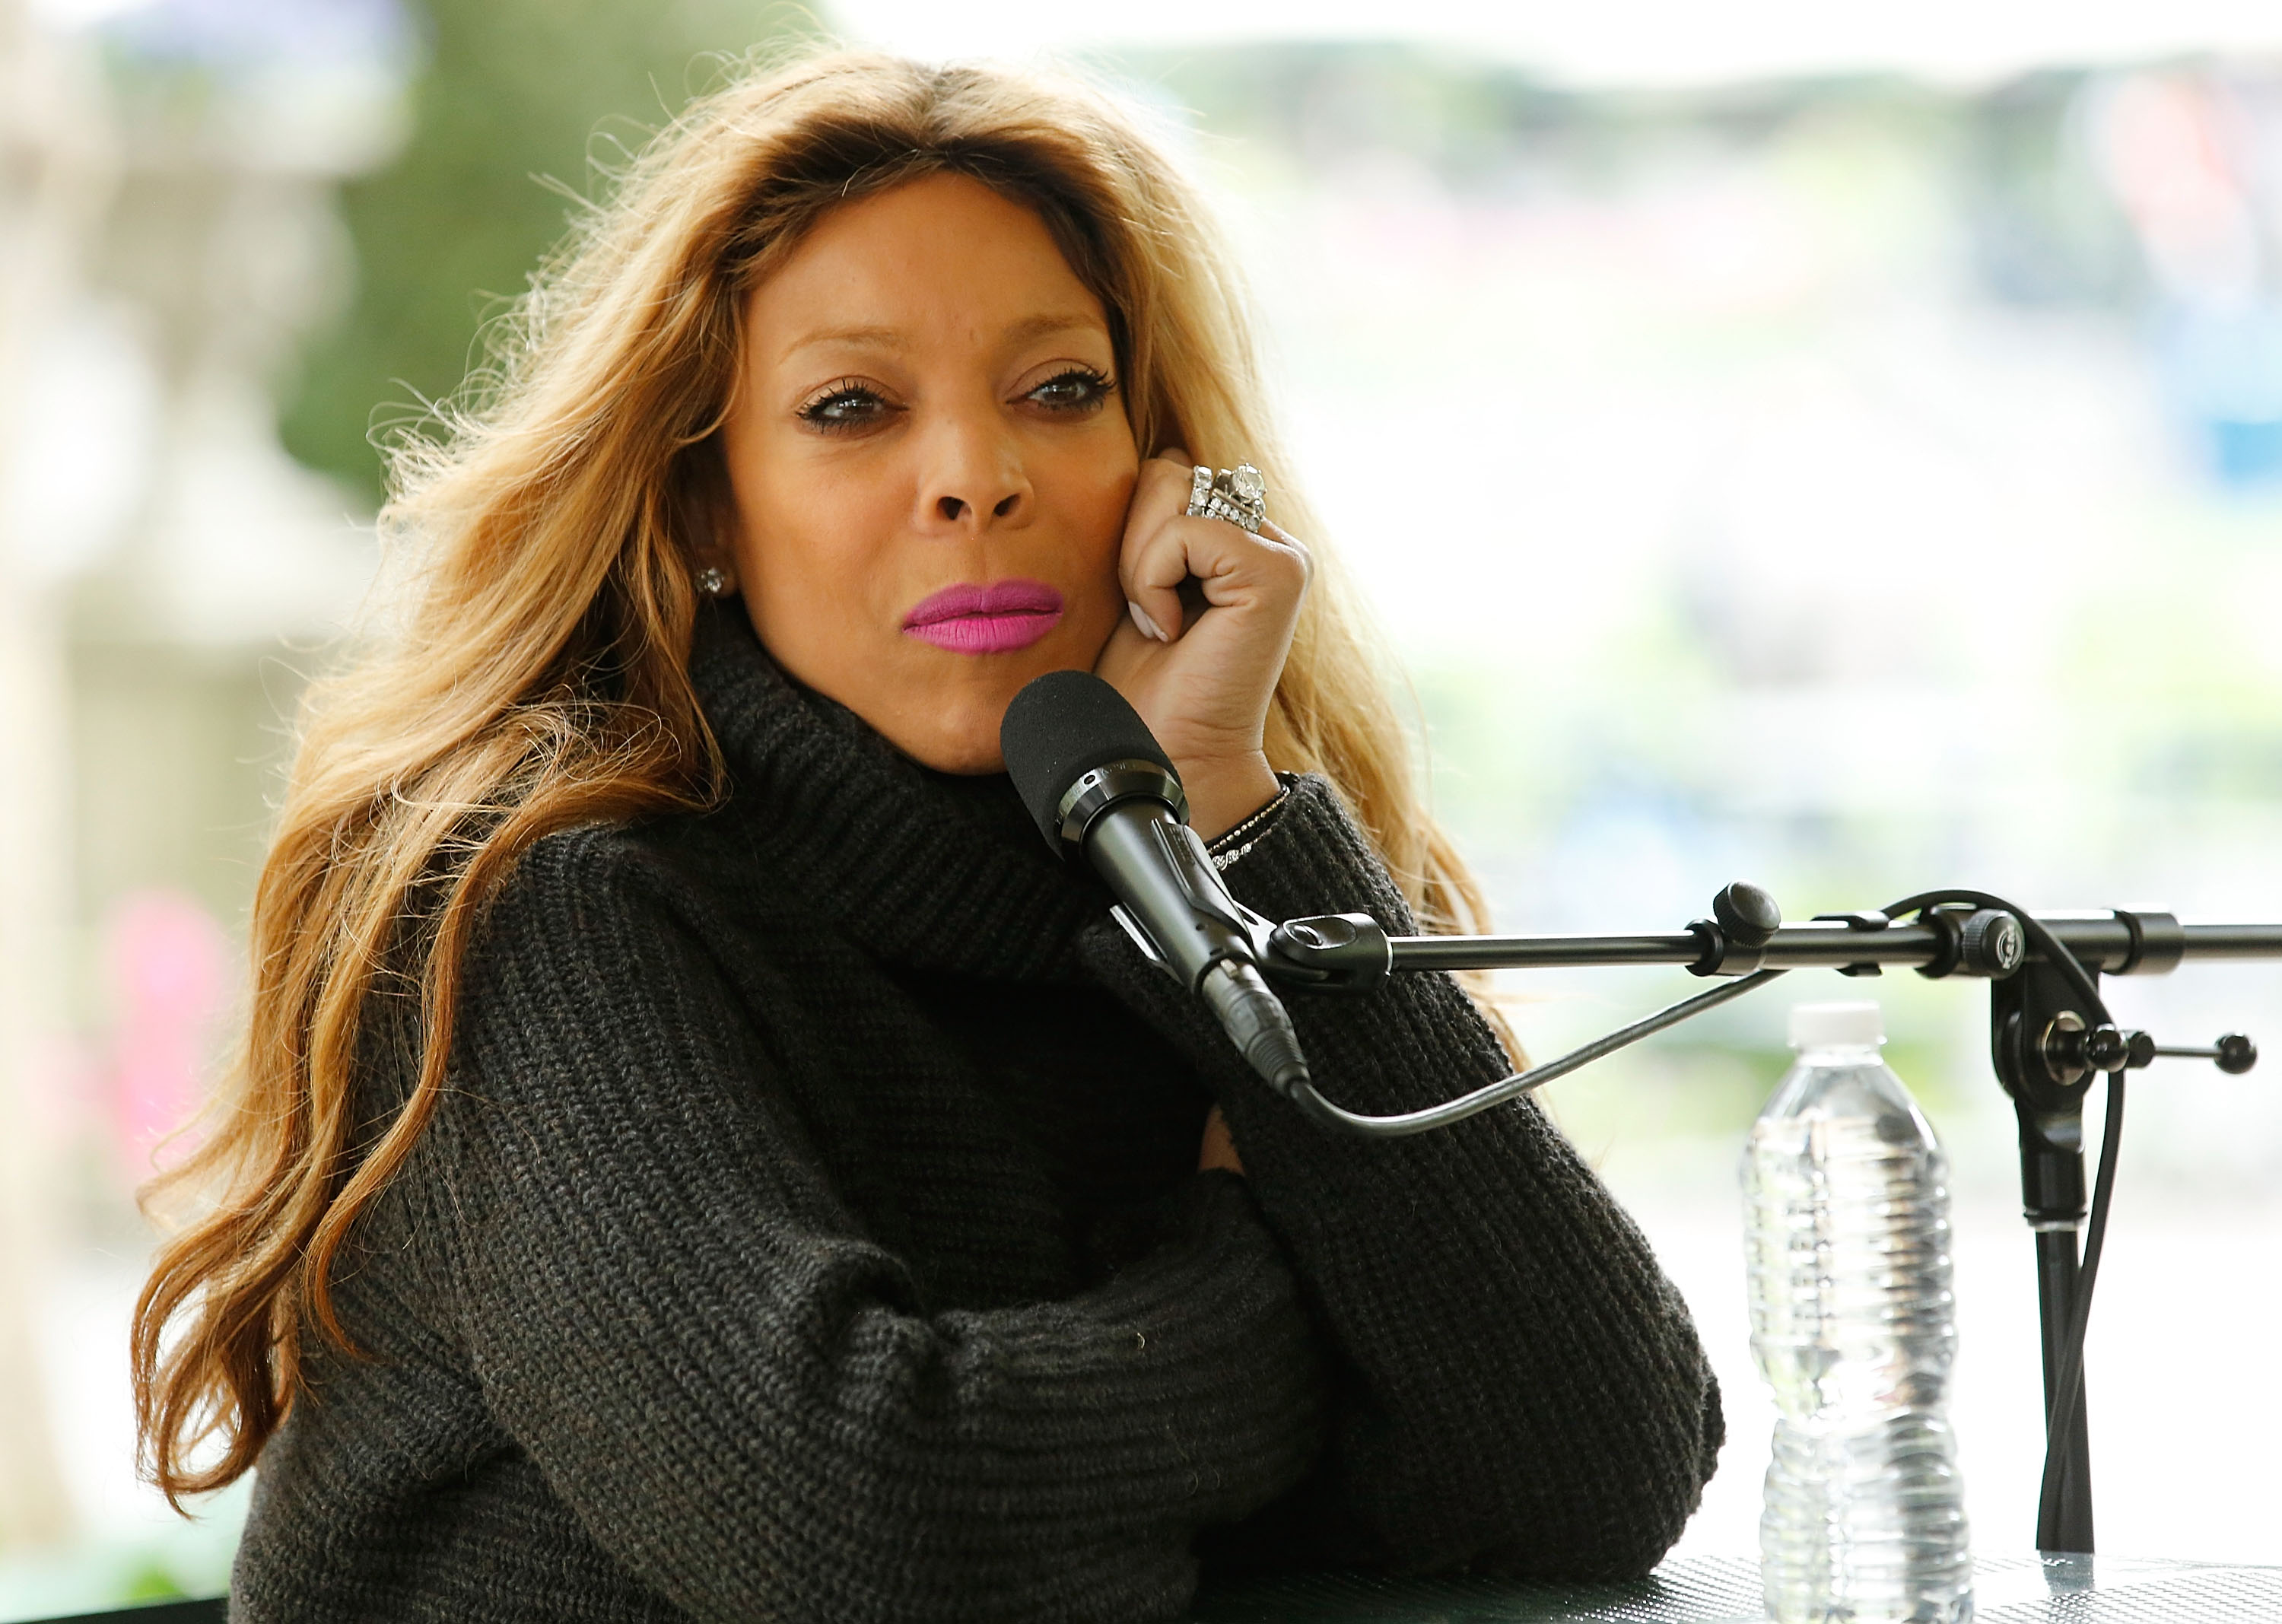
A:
x: 992, y: 619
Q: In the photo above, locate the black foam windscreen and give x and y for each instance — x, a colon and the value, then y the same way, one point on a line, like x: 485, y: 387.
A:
x: 1064, y: 724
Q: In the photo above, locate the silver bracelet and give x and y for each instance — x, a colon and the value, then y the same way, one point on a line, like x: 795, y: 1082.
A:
x: 1223, y: 849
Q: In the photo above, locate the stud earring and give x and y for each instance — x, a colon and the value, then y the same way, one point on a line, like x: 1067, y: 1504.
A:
x: 712, y: 582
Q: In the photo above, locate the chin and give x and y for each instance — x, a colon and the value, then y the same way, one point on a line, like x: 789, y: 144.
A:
x: 971, y: 758
x: 958, y: 731
x: 966, y: 743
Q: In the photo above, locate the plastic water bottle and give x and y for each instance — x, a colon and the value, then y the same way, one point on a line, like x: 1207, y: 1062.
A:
x: 1846, y: 1218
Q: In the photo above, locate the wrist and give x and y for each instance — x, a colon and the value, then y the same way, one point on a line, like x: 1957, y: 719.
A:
x: 1224, y: 791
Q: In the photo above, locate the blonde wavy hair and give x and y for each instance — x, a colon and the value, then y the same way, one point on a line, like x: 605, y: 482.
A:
x: 535, y: 675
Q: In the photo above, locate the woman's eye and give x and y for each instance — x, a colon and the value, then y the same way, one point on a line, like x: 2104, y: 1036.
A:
x: 1079, y: 390
x: 845, y: 405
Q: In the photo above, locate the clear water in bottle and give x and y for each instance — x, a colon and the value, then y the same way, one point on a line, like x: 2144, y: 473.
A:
x: 1846, y: 1230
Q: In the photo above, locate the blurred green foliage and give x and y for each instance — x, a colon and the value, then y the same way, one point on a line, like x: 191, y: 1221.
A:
x: 150, y: 1580
x: 517, y: 100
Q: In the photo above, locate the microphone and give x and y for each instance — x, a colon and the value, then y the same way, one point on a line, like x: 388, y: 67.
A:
x: 1099, y: 788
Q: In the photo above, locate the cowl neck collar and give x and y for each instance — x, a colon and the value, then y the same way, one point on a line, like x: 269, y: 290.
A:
x: 928, y: 869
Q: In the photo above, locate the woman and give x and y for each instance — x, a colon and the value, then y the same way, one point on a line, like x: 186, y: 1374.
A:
x: 696, y: 1154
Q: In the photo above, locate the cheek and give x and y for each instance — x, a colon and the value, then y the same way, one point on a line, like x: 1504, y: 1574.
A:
x: 805, y: 545
x: 1092, y: 493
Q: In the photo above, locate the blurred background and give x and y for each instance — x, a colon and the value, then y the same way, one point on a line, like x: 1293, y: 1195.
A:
x: 1847, y: 456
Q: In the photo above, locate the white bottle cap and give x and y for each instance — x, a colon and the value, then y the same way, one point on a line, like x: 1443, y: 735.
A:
x: 1832, y: 1026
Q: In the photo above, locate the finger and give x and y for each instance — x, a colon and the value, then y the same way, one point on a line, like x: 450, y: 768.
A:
x: 1231, y: 566
x: 1161, y: 491
x: 1284, y: 538
x: 1164, y: 548
x: 1187, y: 566
x: 1158, y: 562
x: 1245, y: 569
x: 1160, y: 495
x: 1219, y: 1148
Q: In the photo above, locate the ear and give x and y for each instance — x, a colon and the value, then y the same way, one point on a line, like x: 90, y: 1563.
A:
x: 706, y: 518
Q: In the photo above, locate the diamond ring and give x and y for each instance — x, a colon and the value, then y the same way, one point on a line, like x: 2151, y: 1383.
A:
x: 1238, y: 495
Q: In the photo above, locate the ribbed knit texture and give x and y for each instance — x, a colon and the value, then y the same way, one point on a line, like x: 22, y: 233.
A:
x: 811, y: 1233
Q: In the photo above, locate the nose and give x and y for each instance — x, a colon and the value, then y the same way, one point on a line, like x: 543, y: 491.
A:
x: 973, y: 477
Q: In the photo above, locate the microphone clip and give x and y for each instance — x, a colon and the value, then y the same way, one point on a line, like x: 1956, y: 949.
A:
x: 1224, y: 928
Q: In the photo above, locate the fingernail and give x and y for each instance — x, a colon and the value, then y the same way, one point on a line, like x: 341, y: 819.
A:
x: 1148, y: 627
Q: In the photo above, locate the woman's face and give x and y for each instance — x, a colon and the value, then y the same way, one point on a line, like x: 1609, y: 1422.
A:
x: 930, y: 465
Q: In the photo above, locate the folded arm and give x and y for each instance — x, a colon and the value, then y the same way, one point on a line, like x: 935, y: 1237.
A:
x: 1519, y: 1386
x: 741, y: 1396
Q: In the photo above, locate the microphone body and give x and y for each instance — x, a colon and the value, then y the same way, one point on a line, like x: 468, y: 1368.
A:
x: 1166, y: 886
x: 1102, y: 791
x: 1172, y: 903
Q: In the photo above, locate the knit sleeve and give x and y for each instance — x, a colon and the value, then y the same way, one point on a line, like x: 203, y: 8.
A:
x: 741, y: 1396
x: 1519, y: 1386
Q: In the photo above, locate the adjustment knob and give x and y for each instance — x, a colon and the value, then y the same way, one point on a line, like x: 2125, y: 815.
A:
x: 1748, y: 915
x: 2233, y: 1053
x: 1318, y: 935
x: 1990, y: 942
x: 2105, y: 1048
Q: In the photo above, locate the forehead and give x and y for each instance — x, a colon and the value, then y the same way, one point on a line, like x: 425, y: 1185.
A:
x: 943, y: 261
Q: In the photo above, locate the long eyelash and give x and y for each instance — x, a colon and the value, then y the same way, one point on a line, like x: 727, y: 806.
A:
x: 1104, y: 385
x: 811, y: 410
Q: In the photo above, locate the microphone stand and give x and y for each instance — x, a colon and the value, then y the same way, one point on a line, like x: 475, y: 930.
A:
x: 2049, y: 1034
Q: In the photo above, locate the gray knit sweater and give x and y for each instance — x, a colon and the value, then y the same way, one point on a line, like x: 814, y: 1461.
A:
x: 810, y: 1232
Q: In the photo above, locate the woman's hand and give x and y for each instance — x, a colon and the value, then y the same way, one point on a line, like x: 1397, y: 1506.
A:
x: 1219, y: 1148
x: 1213, y: 610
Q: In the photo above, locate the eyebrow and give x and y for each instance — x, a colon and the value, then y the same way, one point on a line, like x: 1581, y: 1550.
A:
x: 879, y: 337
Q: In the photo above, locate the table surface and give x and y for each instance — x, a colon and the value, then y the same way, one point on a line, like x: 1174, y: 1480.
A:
x: 1725, y: 1590
x: 1692, y: 1590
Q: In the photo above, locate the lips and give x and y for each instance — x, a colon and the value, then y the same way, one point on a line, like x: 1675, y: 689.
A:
x: 991, y: 619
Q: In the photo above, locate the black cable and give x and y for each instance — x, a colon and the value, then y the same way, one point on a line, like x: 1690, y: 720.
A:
x: 2069, y: 1379
x: 2070, y: 1375
x: 1516, y: 1083
x: 2039, y: 935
